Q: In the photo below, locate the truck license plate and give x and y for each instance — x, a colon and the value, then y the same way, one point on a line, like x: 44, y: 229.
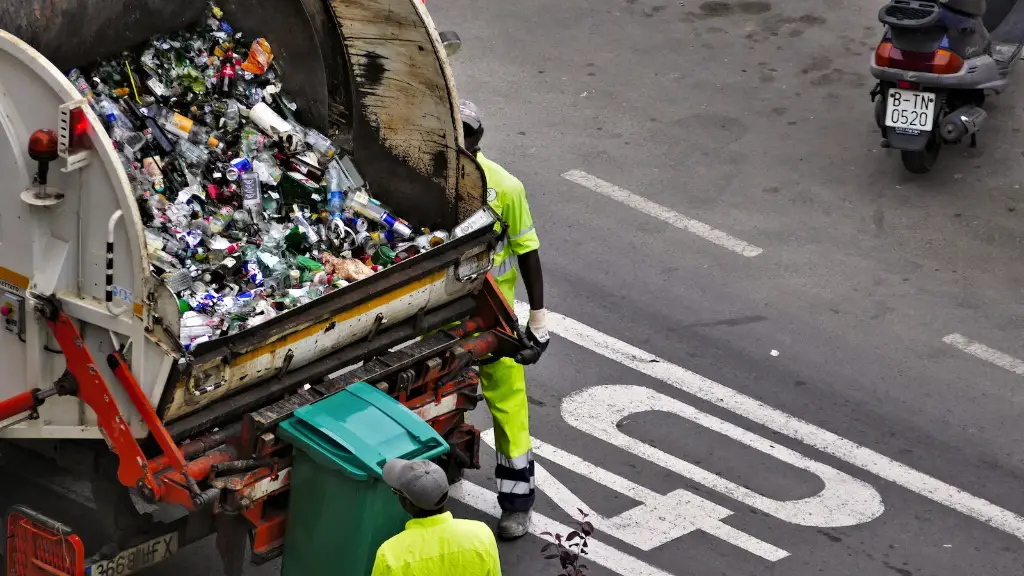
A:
x: 910, y: 110
x: 132, y: 560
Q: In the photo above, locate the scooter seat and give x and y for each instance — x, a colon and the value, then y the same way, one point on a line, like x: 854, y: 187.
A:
x: 970, y: 7
x: 1011, y: 29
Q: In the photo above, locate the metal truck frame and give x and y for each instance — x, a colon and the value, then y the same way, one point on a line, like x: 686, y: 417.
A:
x: 234, y: 481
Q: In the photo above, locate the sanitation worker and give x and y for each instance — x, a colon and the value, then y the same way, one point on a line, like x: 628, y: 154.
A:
x: 504, y: 382
x: 433, y: 542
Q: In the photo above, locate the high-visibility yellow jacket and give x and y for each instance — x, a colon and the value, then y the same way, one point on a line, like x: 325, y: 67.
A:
x: 439, y: 545
x: 506, y: 195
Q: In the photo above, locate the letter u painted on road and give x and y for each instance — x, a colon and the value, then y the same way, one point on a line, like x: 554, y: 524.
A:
x: 844, y: 500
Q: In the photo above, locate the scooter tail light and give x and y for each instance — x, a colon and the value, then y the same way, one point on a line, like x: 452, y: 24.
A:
x: 946, y: 62
x: 941, y: 61
x: 883, y: 55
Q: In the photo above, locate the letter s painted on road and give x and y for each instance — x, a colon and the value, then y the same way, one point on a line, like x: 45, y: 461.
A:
x: 844, y: 500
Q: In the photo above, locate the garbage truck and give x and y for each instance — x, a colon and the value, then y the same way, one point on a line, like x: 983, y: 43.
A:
x: 95, y: 376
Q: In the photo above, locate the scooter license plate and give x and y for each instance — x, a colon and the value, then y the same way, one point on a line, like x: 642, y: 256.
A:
x: 910, y: 111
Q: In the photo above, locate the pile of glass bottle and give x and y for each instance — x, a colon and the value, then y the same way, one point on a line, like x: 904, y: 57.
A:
x: 247, y: 213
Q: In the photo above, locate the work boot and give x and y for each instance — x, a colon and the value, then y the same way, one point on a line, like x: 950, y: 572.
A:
x: 513, y: 525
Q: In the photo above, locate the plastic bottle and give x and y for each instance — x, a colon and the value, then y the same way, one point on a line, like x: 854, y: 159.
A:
x: 335, y: 193
x: 299, y: 220
x: 252, y: 141
x: 185, y: 128
x: 252, y: 196
x: 221, y: 247
x: 227, y: 78
x: 322, y: 144
x: 231, y: 115
x: 154, y: 240
x: 178, y: 281
x: 359, y: 201
x: 273, y: 241
x: 267, y: 169
x: 221, y: 220
x: 163, y: 260
x: 189, y: 335
x: 174, y: 246
x: 112, y: 116
x: 193, y: 155
x: 81, y: 84
x: 251, y: 266
x: 145, y: 121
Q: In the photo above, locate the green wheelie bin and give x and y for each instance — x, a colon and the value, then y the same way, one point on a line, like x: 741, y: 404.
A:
x: 340, y: 510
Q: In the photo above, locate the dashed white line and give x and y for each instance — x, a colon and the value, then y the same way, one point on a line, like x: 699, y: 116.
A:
x: 619, y: 562
x: 979, y: 350
x: 774, y: 419
x: 660, y: 212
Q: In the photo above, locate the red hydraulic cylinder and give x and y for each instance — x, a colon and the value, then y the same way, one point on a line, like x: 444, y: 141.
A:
x: 24, y: 402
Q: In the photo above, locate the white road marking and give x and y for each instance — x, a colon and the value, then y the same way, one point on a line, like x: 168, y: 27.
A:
x: 659, y: 519
x: 660, y: 212
x: 756, y: 411
x: 842, y: 501
x: 599, y: 553
x: 979, y: 350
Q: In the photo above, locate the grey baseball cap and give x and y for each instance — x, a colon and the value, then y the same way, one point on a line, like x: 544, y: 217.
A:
x: 421, y: 481
x: 470, y: 114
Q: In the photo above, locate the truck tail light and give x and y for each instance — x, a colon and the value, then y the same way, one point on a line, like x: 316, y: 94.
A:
x: 73, y: 135
x: 941, y: 61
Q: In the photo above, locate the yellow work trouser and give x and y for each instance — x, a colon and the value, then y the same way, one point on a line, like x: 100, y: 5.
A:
x: 503, y: 384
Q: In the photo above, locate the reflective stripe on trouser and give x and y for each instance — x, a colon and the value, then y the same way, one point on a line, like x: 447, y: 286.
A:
x: 503, y: 384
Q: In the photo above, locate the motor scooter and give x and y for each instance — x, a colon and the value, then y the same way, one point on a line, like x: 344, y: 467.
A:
x: 935, y: 64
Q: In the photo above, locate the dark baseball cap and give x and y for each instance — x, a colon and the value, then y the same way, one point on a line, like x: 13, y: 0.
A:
x: 421, y: 481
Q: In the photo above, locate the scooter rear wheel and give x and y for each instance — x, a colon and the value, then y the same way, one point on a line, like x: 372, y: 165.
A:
x: 921, y: 161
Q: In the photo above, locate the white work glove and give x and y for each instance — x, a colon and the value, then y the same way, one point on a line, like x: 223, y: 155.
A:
x: 537, y: 335
x: 537, y: 332
x: 537, y: 326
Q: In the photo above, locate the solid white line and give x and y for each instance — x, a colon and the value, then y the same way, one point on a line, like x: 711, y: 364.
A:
x: 660, y: 212
x: 619, y: 562
x: 756, y: 411
x: 987, y: 354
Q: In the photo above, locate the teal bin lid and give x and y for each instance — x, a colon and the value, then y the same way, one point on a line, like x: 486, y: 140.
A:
x: 360, y: 428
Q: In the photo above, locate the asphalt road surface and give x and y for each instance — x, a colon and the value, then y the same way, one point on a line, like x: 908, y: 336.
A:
x: 775, y: 351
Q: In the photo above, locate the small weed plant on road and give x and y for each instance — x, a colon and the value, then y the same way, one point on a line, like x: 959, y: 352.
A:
x: 570, y: 549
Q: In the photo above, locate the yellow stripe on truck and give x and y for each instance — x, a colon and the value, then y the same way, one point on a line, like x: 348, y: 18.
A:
x: 13, y: 278
x: 348, y: 314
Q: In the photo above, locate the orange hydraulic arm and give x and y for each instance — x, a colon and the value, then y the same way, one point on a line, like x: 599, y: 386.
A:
x: 83, y: 379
